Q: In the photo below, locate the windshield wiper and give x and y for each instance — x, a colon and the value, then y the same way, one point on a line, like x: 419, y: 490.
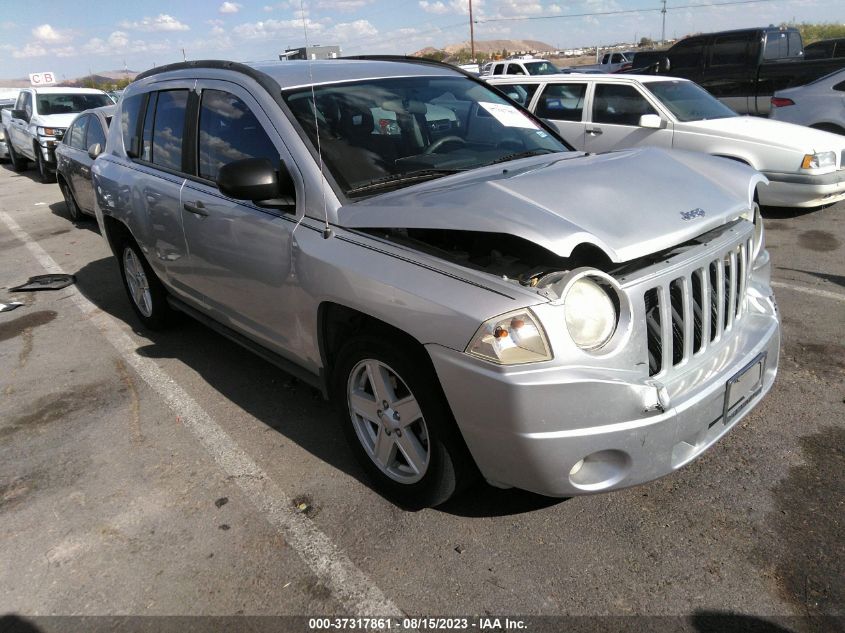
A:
x: 393, y: 180
x: 518, y: 155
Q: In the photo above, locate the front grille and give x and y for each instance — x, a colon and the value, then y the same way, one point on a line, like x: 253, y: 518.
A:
x: 686, y: 314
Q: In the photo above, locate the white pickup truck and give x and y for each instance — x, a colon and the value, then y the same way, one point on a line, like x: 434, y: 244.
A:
x: 38, y: 122
x: 610, y: 62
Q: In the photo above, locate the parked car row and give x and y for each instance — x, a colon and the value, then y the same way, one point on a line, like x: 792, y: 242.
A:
x: 36, y: 125
x: 477, y: 297
x: 600, y: 113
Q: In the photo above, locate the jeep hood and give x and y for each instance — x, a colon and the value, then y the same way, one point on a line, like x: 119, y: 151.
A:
x: 629, y: 203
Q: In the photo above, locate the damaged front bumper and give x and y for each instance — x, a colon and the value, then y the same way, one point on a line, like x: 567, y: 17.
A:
x: 562, y: 431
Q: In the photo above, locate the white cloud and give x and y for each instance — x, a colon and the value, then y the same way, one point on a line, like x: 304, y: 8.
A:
x: 46, y: 33
x: 341, y: 5
x: 346, y: 31
x: 266, y: 29
x: 118, y: 39
x: 161, y: 22
x: 230, y: 7
x: 434, y: 7
x: 32, y: 49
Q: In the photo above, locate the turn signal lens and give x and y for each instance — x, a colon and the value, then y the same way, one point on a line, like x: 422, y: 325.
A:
x: 511, y: 339
x: 819, y: 160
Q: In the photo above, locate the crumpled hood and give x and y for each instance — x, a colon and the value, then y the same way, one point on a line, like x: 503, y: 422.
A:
x: 629, y: 203
x: 800, y: 138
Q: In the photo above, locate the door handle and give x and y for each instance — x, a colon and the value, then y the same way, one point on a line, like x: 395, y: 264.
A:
x: 197, y: 208
x: 595, y: 131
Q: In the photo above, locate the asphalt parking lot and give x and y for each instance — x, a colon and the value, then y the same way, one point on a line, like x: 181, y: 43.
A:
x: 177, y: 474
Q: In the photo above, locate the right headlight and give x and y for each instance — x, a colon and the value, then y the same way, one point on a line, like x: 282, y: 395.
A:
x: 590, y: 314
x: 590, y: 305
x: 819, y: 160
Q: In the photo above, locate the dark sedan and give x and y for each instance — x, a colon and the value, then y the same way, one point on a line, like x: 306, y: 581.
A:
x: 75, y: 155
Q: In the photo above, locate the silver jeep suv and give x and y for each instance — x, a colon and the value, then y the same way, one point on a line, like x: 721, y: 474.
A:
x: 476, y: 297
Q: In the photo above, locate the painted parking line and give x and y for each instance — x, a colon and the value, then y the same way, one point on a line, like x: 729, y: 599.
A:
x: 348, y: 584
x: 836, y: 296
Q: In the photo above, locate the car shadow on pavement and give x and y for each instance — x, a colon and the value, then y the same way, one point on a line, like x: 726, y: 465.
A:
x: 839, y: 280
x: 293, y: 409
x: 726, y: 622
x: 87, y: 222
x: 30, y: 172
x: 782, y: 213
x: 11, y: 623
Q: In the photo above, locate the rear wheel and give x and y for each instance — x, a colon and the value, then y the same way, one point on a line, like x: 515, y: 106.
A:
x: 18, y: 162
x: 146, y: 293
x: 398, y: 423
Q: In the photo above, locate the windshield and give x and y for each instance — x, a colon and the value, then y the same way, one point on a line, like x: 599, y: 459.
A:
x: 68, y: 103
x: 689, y: 101
x: 541, y: 68
x: 383, y: 134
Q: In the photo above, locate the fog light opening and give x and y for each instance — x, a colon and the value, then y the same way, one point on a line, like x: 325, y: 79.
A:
x: 600, y: 470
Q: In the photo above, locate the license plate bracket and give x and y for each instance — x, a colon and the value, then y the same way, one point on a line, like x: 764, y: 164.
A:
x: 744, y: 386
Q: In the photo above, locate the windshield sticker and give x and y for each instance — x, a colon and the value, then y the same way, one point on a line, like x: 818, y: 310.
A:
x: 507, y: 115
x: 541, y: 134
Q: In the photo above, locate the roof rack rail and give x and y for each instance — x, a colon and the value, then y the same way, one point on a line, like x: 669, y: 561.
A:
x: 204, y: 63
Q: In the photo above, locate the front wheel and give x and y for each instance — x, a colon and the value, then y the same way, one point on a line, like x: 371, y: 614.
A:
x: 146, y: 293
x: 70, y: 203
x: 44, y: 173
x: 398, y: 423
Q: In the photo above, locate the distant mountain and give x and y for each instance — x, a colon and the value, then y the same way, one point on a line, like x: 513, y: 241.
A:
x: 101, y: 78
x: 491, y: 46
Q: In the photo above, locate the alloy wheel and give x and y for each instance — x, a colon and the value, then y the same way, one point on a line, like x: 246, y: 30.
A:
x: 388, y: 421
x: 136, y: 281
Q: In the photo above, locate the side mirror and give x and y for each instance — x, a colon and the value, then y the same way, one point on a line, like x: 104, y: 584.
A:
x: 95, y: 150
x: 651, y: 121
x: 20, y: 114
x: 664, y: 65
x: 258, y: 180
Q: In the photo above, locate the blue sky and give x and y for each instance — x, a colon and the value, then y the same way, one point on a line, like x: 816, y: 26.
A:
x: 73, y: 38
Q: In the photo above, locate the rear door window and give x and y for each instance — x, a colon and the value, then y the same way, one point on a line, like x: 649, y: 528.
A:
x: 515, y: 69
x: 687, y: 54
x: 498, y: 68
x: 562, y: 102
x: 229, y: 131
x: 168, y: 129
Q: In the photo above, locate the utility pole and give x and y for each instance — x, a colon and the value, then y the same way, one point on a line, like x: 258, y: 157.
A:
x: 185, y: 57
x: 663, y: 30
x: 471, y: 33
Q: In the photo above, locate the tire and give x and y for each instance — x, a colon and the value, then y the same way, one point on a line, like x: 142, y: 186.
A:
x: 18, y: 162
x: 417, y: 462
x: 44, y: 173
x: 73, y: 211
x: 147, y: 295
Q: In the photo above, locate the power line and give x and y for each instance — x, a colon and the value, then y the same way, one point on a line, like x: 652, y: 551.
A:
x: 623, y: 11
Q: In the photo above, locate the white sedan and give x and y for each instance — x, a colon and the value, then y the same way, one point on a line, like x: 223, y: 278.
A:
x: 604, y: 113
x: 819, y: 104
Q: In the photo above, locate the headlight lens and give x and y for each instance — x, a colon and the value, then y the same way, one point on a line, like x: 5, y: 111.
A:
x: 819, y: 160
x: 590, y: 314
x: 511, y: 339
x: 50, y: 131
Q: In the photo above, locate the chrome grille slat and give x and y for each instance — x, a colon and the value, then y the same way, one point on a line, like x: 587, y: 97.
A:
x: 732, y: 281
x: 705, y: 307
x: 689, y: 319
x: 665, y: 327
x: 697, y: 307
